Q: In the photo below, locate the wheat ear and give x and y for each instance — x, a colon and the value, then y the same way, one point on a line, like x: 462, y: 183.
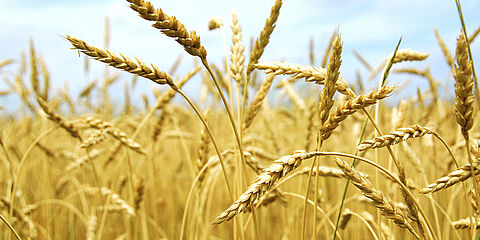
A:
x: 401, y: 134
x: 91, y: 227
x: 462, y: 72
x: 466, y: 223
x: 351, y: 106
x: 443, y: 46
x: 6, y: 62
x: 170, y: 26
x: 115, y: 132
x: 474, y: 35
x: 69, y: 126
x: 94, y: 138
x: 385, y: 205
x: 237, y: 49
x: 262, y: 41
x: 459, y: 175
x: 256, y: 104
x: 136, y: 67
x: 203, y: 148
x: 404, y: 55
x: 34, y: 70
x: 333, y: 71
x: 311, y: 74
x: 115, y: 198
x: 264, y: 182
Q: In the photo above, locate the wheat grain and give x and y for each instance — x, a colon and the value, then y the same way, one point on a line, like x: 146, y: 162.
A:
x: 167, y: 96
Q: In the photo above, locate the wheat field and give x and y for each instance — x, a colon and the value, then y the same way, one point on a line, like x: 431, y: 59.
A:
x: 338, y: 161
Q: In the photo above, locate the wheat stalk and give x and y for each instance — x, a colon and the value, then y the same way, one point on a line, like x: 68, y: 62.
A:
x: 164, y: 98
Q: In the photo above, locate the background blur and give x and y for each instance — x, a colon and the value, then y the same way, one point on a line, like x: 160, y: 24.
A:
x: 372, y: 28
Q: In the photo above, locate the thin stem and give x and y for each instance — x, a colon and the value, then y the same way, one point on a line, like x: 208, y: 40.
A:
x: 237, y: 136
x: 304, y: 223
x: 10, y: 227
x: 22, y: 161
x: 189, y: 196
x: 348, y: 183
x: 447, y: 147
x: 214, y: 143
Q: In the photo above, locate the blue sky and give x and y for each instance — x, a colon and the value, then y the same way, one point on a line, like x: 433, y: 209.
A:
x: 370, y: 27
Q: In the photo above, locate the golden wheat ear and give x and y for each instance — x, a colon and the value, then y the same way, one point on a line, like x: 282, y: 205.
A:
x: 121, y: 62
x: 170, y: 26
